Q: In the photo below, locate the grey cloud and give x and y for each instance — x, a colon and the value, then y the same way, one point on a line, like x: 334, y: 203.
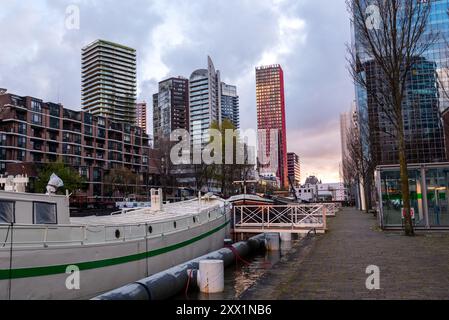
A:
x: 39, y: 57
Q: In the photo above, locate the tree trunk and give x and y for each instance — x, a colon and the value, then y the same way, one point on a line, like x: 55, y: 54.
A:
x: 405, y: 189
x: 367, y: 189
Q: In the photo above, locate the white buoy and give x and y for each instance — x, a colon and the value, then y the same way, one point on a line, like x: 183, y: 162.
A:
x: 211, y: 276
x: 272, y: 242
x: 286, y: 237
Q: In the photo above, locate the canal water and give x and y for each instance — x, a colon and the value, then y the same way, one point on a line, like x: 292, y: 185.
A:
x: 241, y: 276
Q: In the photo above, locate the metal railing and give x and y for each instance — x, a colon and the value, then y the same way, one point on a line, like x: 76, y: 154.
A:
x: 332, y: 209
x: 264, y: 218
x: 78, y: 235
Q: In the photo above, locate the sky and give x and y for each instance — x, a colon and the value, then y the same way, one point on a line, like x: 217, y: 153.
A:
x: 40, y: 56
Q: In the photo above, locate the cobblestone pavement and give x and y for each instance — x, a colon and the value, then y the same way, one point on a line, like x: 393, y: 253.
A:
x: 333, y: 266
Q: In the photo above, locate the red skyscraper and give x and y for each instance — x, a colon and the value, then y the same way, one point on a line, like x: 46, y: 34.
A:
x: 271, y: 118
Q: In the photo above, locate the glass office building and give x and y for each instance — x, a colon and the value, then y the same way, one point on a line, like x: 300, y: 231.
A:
x: 205, y: 102
x: 230, y: 104
x: 424, y: 100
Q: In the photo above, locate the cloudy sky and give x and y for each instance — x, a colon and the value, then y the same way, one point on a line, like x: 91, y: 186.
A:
x: 41, y: 57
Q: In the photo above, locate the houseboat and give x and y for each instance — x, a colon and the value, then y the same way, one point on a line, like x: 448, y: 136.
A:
x: 46, y: 254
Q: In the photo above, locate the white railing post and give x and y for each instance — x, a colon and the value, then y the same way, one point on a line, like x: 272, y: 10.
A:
x: 291, y: 211
x: 233, y: 216
x: 324, y: 218
x: 263, y: 218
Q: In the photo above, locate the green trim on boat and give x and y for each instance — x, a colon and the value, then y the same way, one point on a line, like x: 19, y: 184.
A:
x: 58, y: 269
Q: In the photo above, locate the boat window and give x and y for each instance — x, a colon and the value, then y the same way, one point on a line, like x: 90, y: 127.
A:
x: 44, y: 213
x: 7, y: 214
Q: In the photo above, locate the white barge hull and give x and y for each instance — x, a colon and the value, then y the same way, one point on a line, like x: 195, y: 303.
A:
x: 40, y: 273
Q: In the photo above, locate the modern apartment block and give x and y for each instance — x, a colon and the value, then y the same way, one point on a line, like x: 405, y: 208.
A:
x: 294, y: 168
x: 230, y: 104
x: 109, y: 81
x: 205, y: 102
x: 272, y: 151
x: 34, y: 132
x: 170, y: 108
x: 141, y: 116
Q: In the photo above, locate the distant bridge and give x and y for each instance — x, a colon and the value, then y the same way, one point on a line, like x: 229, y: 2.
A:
x: 298, y: 218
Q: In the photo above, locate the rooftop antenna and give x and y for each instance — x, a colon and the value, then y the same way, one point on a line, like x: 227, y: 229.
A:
x: 58, y: 98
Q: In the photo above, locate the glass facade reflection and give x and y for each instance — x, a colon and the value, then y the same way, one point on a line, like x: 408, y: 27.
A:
x: 424, y: 99
x: 429, y: 194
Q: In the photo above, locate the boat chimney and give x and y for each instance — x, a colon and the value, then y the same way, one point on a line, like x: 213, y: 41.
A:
x: 156, y: 200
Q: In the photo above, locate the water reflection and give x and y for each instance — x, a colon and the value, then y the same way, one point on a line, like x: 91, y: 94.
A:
x: 240, y: 277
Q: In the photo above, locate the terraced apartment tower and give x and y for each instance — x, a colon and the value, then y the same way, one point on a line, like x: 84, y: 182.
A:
x: 109, y: 81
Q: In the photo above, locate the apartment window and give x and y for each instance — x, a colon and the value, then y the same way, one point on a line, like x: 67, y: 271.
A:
x: 7, y: 214
x: 101, y: 133
x: 22, y: 128
x: 21, y: 142
x: 36, y: 106
x: 84, y: 172
x: 97, y: 175
x: 88, y: 130
x: 101, y: 122
x: 20, y: 155
x: 54, y: 110
x: 3, y: 139
x: 54, y: 123
x: 44, y: 213
x: 77, y: 138
x: 2, y: 154
x: 88, y: 118
x: 36, y: 118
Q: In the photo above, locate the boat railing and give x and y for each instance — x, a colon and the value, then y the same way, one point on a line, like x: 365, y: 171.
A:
x: 70, y: 235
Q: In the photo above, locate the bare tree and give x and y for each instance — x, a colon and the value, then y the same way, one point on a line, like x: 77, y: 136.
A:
x: 390, y: 36
x: 359, y: 165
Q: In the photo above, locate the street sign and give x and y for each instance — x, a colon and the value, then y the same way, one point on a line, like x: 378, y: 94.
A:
x: 412, y: 212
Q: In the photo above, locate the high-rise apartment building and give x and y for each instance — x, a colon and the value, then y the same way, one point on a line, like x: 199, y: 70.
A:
x: 109, y: 81
x: 294, y: 168
x: 170, y: 108
x: 423, y: 102
x: 230, y: 104
x: 205, y: 102
x: 141, y: 115
x: 271, y: 120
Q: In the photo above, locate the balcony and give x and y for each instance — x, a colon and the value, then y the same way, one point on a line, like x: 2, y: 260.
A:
x: 72, y: 115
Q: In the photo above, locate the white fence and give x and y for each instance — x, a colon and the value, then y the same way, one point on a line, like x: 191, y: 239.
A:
x: 248, y: 219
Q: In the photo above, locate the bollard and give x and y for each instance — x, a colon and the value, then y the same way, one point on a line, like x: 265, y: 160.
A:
x: 210, y: 276
x: 272, y: 242
x: 286, y: 237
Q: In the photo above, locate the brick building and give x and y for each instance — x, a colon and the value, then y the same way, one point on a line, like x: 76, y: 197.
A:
x: 34, y: 132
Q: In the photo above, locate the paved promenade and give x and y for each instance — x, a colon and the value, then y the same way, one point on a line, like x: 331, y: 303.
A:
x: 333, y: 266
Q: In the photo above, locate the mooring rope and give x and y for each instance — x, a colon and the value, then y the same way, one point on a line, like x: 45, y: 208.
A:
x: 188, y: 284
x: 237, y: 255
